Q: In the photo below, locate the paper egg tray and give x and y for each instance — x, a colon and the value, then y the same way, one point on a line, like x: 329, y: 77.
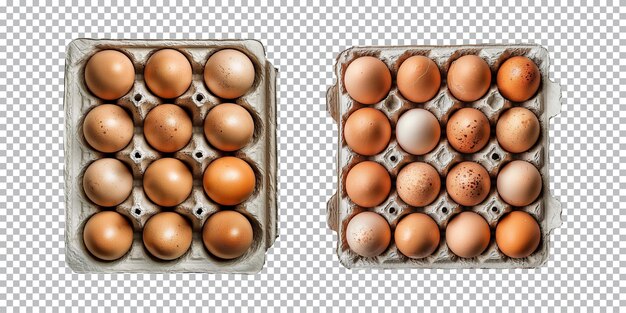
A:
x: 260, y: 208
x: 545, y: 104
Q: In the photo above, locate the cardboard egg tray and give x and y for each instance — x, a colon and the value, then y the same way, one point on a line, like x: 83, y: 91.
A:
x: 545, y: 104
x: 260, y: 208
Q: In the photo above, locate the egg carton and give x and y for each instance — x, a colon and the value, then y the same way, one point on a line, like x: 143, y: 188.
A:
x: 260, y: 208
x: 545, y: 104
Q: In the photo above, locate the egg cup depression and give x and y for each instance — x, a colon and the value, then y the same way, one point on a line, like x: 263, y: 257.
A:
x: 176, y: 93
x: 410, y: 91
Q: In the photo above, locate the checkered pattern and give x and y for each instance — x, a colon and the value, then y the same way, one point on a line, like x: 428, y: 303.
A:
x: 586, y: 271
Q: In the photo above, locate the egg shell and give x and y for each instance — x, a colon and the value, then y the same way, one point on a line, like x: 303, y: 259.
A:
x: 109, y: 74
x: 229, y: 180
x: 517, y: 130
x: 108, y: 235
x: 418, y: 131
x: 167, y: 235
x: 368, y: 234
x: 518, y: 234
x: 418, y: 79
x: 519, y: 183
x: 469, y: 78
x: 108, y: 128
x: 167, y: 182
x: 107, y: 182
x: 468, y: 183
x: 518, y: 78
x: 468, y: 130
x: 367, y: 131
x: 227, y: 234
x: 228, y: 127
x: 229, y: 73
x: 418, y: 184
x: 368, y: 184
x: 468, y: 234
x: 417, y: 235
x: 168, y: 73
x: 167, y: 128
x: 367, y: 80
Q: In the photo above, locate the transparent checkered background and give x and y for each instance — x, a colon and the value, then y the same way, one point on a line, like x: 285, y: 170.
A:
x: 586, y: 272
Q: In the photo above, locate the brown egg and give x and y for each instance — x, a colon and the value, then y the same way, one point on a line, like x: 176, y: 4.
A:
x: 468, y: 130
x: 228, y: 127
x: 167, y: 235
x: 518, y: 79
x: 469, y: 78
x: 367, y: 80
x: 368, y: 184
x: 518, y: 234
x: 417, y: 235
x: 418, y: 184
x: 418, y: 131
x: 517, y: 130
x: 367, y: 131
x: 227, y: 234
x: 108, y: 128
x: 229, y: 73
x: 168, y: 73
x: 167, y: 128
x: 468, y: 183
x: 418, y: 79
x: 368, y: 234
x: 107, y: 182
x: 468, y: 234
x: 519, y: 183
x: 167, y: 182
x: 109, y: 74
x: 108, y: 235
x: 229, y: 180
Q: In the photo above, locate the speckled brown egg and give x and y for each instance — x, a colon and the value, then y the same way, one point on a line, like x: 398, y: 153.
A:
x: 417, y: 235
x: 107, y: 182
x: 518, y: 78
x: 167, y: 235
x: 108, y: 235
x: 168, y: 73
x: 229, y: 73
x: 367, y: 80
x: 468, y: 130
x: 227, y: 234
x: 228, y: 127
x: 108, y: 128
x: 368, y: 234
x: 418, y: 79
x: 468, y: 234
x: 167, y: 182
x: 519, y: 183
x: 468, y: 183
x: 517, y: 130
x: 367, y: 131
x: 469, y: 78
x: 418, y: 184
x: 167, y: 128
x: 229, y: 180
x: 368, y: 184
x: 109, y: 74
x: 518, y: 234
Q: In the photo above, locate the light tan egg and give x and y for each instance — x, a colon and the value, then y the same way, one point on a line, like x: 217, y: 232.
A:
x: 108, y: 235
x: 167, y: 128
x: 229, y: 180
x: 368, y: 234
x: 109, y: 74
x: 227, y: 234
x: 518, y: 78
x: 108, y: 128
x: 418, y: 78
x: 228, y: 127
x: 418, y: 184
x: 468, y: 183
x: 368, y: 184
x: 417, y: 235
x: 167, y: 235
x: 469, y: 78
x: 168, y: 73
x: 167, y: 182
x: 229, y: 73
x: 367, y: 80
x: 468, y: 234
x: 107, y: 182
x: 418, y: 131
x: 518, y: 234
x: 367, y: 131
x: 519, y: 183
x: 468, y: 130
x: 517, y: 130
